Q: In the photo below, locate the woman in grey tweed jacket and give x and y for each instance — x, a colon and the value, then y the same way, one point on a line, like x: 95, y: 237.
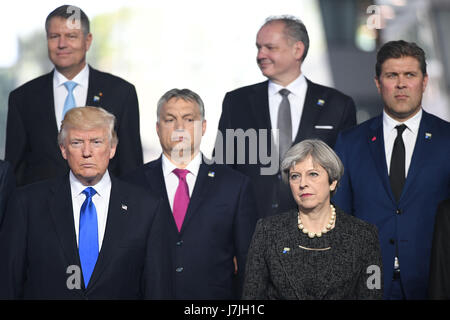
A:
x: 317, y: 251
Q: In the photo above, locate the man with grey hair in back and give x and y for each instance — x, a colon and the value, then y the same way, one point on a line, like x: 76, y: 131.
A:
x: 208, y: 208
x: 85, y: 234
x: 284, y: 110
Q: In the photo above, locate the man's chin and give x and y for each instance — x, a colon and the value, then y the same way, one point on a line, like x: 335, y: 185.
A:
x: 89, y: 179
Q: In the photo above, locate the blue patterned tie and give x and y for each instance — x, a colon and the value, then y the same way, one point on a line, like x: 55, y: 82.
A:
x: 88, y: 236
x: 70, y: 100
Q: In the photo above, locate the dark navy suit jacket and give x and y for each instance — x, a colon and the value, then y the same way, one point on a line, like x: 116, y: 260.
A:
x: 326, y: 112
x: 7, y: 185
x: 31, y: 130
x: 218, y: 226
x: 364, y: 191
x: 38, y: 245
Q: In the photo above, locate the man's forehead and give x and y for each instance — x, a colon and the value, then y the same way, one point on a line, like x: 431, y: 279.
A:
x: 58, y: 24
x: 99, y: 132
x: 405, y: 63
x: 180, y: 105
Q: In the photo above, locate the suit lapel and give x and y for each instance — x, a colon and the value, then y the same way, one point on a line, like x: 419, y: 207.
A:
x: 310, y: 113
x: 422, y: 149
x: 116, y: 225
x: 259, y: 104
x: 375, y: 140
x: 61, y: 211
x: 203, y: 185
x: 155, y: 179
x: 45, y: 116
x: 95, y: 90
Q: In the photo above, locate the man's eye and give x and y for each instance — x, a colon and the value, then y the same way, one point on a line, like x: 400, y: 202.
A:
x: 75, y: 143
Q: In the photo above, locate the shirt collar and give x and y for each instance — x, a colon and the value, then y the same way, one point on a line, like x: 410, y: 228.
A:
x: 102, y: 187
x: 296, y: 87
x: 81, y: 79
x: 412, y: 124
x: 193, y: 166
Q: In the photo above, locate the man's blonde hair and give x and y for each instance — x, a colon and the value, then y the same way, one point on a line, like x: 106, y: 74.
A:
x: 88, y: 118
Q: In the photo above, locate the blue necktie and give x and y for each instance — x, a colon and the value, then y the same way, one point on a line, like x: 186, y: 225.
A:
x: 88, y: 236
x: 70, y: 100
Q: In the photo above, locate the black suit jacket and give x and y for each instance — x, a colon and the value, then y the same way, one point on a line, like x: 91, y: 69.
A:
x: 7, y: 185
x: 439, y: 287
x: 38, y: 244
x: 31, y: 131
x: 218, y: 226
x: 248, y: 108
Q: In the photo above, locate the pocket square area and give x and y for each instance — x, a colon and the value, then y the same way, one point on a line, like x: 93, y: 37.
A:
x: 324, y: 127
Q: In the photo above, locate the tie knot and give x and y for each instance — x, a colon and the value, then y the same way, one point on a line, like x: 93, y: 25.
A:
x: 89, y: 192
x: 400, y: 128
x: 181, y: 173
x: 284, y: 92
x: 70, y: 85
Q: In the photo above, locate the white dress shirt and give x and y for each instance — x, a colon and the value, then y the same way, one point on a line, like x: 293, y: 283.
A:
x: 60, y: 92
x: 171, y: 179
x: 296, y: 98
x: 100, y: 200
x: 409, y: 137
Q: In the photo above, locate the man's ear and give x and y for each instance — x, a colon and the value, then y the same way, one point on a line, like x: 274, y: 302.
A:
x: 299, y: 48
x: 63, y: 151
x: 377, y: 83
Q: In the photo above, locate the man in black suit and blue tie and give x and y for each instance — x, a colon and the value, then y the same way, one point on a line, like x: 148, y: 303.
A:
x: 289, y: 102
x: 208, y: 208
x: 37, y: 108
x: 86, y: 234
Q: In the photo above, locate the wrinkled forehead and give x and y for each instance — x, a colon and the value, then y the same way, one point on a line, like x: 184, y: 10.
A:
x: 87, y: 133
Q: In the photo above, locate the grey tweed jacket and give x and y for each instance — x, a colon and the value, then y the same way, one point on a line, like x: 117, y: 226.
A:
x: 283, y: 263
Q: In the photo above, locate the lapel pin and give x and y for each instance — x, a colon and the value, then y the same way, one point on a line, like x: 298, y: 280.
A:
x: 286, y: 250
x: 374, y: 138
x: 124, y: 207
x: 211, y: 174
x: 320, y: 102
x: 428, y: 136
x: 96, y: 98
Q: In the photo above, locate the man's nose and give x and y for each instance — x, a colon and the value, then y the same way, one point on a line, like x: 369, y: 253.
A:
x: 62, y: 42
x: 86, y: 150
x: 261, y: 54
x: 179, y: 125
x: 401, y: 82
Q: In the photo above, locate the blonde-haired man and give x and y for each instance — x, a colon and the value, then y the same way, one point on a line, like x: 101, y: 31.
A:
x: 83, y: 235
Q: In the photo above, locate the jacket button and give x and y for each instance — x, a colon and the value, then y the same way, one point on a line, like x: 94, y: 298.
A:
x: 399, y: 211
x: 179, y: 243
x: 179, y: 269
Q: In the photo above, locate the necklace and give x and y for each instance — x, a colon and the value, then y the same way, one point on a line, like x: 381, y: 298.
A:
x: 327, y: 228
